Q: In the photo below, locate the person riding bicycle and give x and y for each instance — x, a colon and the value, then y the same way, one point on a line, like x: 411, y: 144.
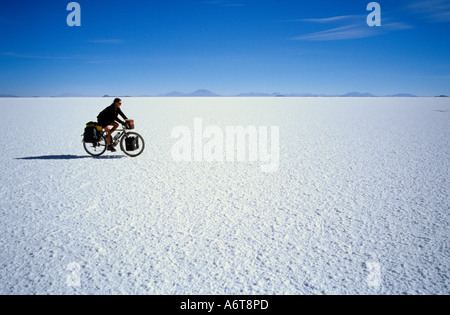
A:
x: 109, y: 117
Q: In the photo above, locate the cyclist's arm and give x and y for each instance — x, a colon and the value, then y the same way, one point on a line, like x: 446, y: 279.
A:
x: 123, y: 116
x: 121, y: 122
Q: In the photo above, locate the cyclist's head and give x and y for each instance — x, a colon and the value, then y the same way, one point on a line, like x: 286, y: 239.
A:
x: 118, y: 102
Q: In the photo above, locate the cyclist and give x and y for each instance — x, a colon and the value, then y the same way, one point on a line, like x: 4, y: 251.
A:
x: 109, y: 117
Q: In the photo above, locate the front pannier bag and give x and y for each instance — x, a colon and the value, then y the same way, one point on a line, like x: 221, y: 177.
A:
x: 131, y: 143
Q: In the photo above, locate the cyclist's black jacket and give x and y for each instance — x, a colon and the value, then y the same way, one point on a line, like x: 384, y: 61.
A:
x: 109, y: 115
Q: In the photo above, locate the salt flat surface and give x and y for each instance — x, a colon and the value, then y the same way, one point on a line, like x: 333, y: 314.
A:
x: 360, y: 204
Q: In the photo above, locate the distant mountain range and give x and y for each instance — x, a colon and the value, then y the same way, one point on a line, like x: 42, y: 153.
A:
x: 207, y: 93
x: 198, y: 93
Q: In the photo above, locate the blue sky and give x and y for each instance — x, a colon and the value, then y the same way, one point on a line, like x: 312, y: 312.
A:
x: 152, y: 47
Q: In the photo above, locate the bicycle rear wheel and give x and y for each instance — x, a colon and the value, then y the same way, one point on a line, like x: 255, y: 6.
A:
x: 96, y: 149
x: 135, y: 151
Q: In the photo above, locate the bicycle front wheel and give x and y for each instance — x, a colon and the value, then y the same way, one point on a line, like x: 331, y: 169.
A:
x: 130, y: 147
x: 96, y: 149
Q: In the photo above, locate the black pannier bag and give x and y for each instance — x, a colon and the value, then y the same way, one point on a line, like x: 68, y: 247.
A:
x: 91, y: 134
x: 131, y: 143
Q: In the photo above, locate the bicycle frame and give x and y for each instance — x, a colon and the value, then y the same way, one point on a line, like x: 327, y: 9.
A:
x: 117, y: 136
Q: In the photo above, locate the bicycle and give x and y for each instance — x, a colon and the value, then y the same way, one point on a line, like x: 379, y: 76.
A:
x: 131, y: 143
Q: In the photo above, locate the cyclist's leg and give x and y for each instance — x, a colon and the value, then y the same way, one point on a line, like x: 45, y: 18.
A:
x: 115, y: 126
x: 110, y: 132
x: 108, y: 136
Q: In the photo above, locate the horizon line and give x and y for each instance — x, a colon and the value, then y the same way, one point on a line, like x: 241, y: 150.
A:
x: 207, y: 93
x: 236, y: 96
